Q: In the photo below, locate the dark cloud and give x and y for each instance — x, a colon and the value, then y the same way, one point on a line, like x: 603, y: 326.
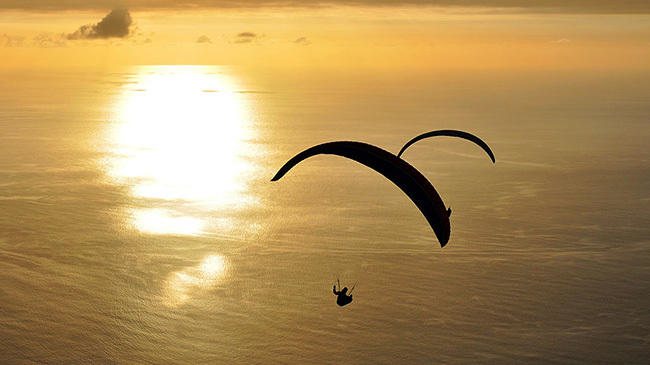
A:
x: 557, y: 6
x: 203, y: 39
x: 117, y: 24
x: 245, y: 37
x: 302, y: 41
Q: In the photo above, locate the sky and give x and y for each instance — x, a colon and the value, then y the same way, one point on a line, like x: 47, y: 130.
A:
x: 579, y: 6
x: 415, y: 34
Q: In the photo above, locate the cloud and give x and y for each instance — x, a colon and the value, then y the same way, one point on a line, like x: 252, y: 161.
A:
x: 49, y: 40
x: 203, y: 39
x: 245, y: 37
x: 7, y: 40
x: 302, y: 41
x: 557, y: 6
x: 117, y: 24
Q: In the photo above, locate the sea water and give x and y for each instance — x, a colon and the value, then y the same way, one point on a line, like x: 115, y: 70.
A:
x: 138, y: 222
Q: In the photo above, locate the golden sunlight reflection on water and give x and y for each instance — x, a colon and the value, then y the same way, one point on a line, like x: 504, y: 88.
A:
x: 178, y: 145
x: 162, y: 221
x: 182, y: 284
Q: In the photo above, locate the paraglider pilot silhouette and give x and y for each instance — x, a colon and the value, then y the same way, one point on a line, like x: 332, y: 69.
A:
x: 397, y: 170
x: 343, y: 298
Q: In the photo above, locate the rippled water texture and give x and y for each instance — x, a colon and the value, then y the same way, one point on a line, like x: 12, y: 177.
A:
x: 138, y: 222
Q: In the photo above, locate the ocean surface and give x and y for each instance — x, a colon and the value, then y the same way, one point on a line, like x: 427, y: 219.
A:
x: 138, y: 222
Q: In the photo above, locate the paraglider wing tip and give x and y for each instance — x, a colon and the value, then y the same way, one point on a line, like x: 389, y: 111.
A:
x: 399, y: 154
x: 278, y: 176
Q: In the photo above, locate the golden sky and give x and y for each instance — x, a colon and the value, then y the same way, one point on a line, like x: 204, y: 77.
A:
x: 592, y: 6
x: 368, y: 34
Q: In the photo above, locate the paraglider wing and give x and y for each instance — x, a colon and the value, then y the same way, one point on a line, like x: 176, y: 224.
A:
x: 450, y: 133
x: 400, y: 172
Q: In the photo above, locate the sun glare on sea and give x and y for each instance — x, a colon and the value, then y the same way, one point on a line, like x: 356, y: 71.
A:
x: 177, y: 144
x: 183, y: 284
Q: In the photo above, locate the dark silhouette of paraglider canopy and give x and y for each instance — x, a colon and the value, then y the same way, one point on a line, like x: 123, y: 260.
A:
x: 400, y: 172
x: 397, y: 170
x: 450, y: 133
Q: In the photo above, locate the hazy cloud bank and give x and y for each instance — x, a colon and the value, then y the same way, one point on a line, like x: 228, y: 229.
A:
x: 8, y: 40
x: 556, y: 6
